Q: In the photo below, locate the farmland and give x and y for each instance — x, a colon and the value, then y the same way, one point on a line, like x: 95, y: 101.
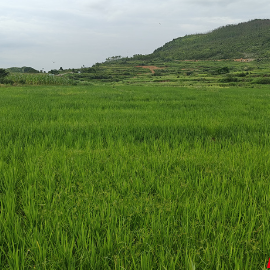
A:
x: 195, y: 73
x: 134, y: 175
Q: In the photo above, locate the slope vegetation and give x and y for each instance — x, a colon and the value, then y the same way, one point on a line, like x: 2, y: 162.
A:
x: 245, y: 40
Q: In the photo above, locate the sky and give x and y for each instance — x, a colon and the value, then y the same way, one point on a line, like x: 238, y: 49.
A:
x: 51, y: 34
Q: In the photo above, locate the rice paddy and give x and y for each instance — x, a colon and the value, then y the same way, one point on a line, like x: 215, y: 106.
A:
x: 134, y: 177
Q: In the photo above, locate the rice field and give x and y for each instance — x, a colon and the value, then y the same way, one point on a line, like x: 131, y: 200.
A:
x: 130, y: 177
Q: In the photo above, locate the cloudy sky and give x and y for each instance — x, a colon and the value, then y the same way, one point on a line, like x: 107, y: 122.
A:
x: 71, y: 33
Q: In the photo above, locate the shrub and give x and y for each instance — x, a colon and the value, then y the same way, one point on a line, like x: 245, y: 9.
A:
x: 229, y: 78
x: 3, y: 74
x: 54, y: 72
x: 242, y: 74
x: 262, y: 81
x: 223, y: 70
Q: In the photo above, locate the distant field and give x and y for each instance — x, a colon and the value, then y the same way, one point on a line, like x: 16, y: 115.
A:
x: 226, y: 73
x: 134, y: 177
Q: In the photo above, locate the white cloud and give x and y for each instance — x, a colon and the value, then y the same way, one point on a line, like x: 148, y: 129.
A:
x: 81, y: 32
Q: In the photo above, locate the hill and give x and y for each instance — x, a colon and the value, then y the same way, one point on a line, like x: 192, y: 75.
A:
x: 22, y: 70
x: 245, y: 40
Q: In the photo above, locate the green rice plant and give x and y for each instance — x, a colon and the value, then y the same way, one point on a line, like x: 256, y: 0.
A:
x: 134, y: 177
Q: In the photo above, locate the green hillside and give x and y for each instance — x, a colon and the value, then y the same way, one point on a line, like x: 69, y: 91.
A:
x: 22, y: 70
x: 245, y: 40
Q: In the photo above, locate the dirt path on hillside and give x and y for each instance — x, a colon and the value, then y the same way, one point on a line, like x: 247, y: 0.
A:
x: 152, y: 68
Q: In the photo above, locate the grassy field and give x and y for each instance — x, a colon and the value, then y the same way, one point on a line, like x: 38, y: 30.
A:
x: 129, y: 177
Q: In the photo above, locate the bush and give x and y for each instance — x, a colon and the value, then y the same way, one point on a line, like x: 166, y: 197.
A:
x: 54, y: 72
x: 7, y: 81
x: 223, y: 70
x: 3, y: 74
x: 228, y: 78
x: 262, y: 81
x: 89, y: 70
x: 242, y: 74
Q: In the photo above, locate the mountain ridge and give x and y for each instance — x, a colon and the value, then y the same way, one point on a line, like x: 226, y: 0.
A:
x: 244, y: 40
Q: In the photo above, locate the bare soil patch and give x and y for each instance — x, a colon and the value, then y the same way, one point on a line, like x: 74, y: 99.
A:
x: 152, y: 68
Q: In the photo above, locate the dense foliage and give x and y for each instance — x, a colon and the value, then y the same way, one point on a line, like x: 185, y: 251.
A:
x: 22, y: 70
x: 3, y: 74
x: 245, y: 40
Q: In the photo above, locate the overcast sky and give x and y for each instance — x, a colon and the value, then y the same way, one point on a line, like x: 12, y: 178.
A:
x: 71, y: 33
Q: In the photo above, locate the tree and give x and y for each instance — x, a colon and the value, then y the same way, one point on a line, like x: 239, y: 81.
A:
x: 223, y: 70
x: 54, y: 72
x: 3, y: 73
